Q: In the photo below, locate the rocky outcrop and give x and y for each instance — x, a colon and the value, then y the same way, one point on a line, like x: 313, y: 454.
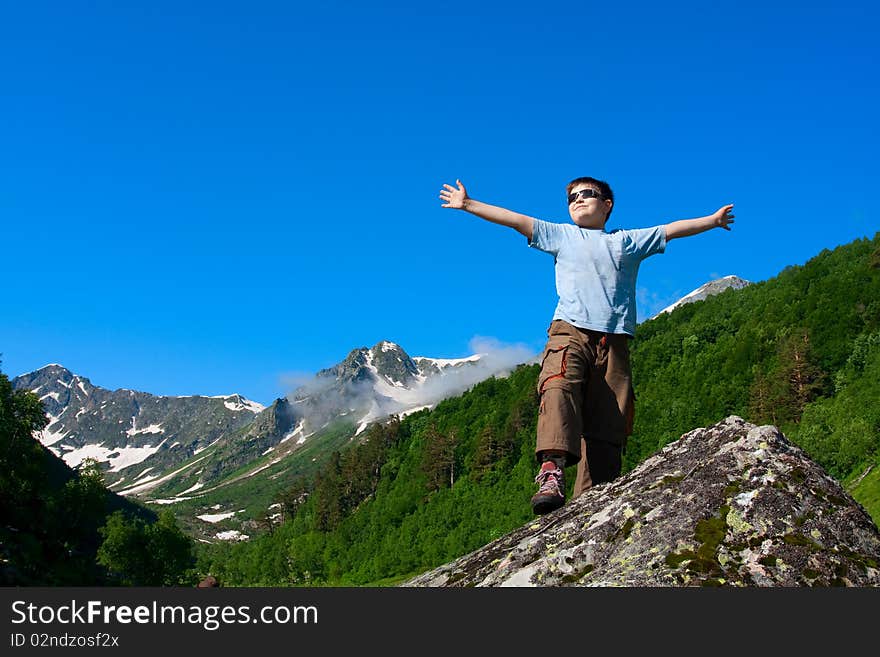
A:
x: 730, y: 505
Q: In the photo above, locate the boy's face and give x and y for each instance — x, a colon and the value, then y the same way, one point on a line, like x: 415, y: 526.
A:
x: 588, y: 212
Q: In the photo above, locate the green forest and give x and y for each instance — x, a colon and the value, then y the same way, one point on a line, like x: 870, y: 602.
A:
x: 801, y: 351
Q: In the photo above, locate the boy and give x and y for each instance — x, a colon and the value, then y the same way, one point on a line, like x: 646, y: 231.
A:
x: 585, y: 384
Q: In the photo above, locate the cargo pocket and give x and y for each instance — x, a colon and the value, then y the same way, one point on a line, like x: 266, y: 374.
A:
x: 553, y: 365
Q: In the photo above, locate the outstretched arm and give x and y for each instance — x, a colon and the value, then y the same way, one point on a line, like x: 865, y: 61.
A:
x: 457, y: 198
x: 721, y: 218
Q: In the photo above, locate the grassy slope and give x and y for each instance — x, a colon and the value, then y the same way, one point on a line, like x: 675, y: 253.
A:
x: 867, y: 492
x: 254, y: 494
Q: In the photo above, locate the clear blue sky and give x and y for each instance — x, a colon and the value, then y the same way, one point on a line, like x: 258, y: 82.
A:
x: 203, y: 198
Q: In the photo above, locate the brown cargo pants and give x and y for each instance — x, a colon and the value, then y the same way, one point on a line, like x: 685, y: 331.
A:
x: 587, y: 401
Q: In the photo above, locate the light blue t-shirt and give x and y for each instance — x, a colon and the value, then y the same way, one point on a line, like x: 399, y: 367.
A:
x: 596, y: 272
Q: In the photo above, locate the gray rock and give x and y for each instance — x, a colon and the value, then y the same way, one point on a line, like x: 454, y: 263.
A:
x: 732, y: 505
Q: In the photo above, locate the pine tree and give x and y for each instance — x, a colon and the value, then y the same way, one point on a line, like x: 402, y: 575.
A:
x: 763, y: 400
x: 438, y: 462
x: 487, y: 452
x: 328, y: 494
x: 781, y: 394
x: 804, y: 378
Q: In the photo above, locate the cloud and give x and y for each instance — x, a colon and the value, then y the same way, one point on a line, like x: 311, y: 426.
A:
x: 294, y: 380
x: 322, y: 399
x: 496, y: 352
x: 496, y: 359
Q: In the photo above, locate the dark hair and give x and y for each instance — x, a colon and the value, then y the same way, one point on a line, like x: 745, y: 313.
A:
x: 603, y: 187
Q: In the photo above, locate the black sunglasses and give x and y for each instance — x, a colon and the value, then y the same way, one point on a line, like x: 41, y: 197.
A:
x: 583, y: 193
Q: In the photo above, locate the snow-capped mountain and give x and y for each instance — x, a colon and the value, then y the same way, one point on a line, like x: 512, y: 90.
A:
x: 372, y: 383
x: 143, y: 441
x: 133, y: 434
x: 709, y: 289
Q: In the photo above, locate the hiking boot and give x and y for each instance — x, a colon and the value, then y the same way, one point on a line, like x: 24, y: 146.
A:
x: 551, y: 494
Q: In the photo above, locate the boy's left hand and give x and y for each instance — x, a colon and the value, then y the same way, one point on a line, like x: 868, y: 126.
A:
x: 723, y: 217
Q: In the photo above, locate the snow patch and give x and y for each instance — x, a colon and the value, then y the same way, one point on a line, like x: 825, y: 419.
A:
x: 143, y: 472
x: 48, y: 437
x: 153, y: 428
x: 394, y: 390
x: 231, y: 535
x: 202, y: 449
x: 97, y: 452
x: 129, y: 456
x: 260, y: 469
x: 297, y: 429
x: 216, y: 517
x: 152, y: 484
x: 141, y: 480
x: 239, y: 403
x: 193, y: 488
x: 124, y: 456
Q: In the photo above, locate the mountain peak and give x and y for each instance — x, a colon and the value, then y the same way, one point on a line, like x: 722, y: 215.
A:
x: 52, y: 377
x: 707, y: 290
x: 385, y: 345
x: 51, y: 369
x: 389, y: 361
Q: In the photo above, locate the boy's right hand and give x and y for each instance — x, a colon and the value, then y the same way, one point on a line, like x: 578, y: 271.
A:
x: 457, y: 198
x: 454, y: 198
